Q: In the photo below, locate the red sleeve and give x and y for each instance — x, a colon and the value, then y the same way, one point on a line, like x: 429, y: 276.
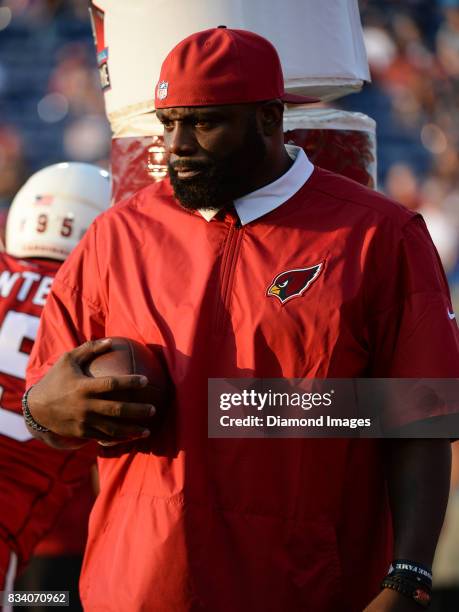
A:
x: 5, y: 562
x: 412, y: 329
x: 69, y: 534
x: 74, y: 311
x: 37, y: 482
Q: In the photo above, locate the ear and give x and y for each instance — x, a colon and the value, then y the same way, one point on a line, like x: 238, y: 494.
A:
x: 270, y: 115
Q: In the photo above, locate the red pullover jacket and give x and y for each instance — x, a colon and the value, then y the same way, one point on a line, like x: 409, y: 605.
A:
x: 184, y: 522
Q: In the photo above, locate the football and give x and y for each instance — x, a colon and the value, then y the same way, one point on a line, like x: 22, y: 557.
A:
x: 128, y: 356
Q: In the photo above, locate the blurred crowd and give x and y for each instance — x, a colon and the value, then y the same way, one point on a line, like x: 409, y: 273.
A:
x: 413, y: 51
x: 51, y: 105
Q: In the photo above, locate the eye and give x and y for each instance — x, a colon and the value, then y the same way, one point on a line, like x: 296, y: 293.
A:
x: 167, y: 124
x: 208, y: 121
x: 204, y: 124
x: 282, y: 285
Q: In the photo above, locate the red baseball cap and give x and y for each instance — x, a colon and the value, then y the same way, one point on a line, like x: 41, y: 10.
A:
x: 222, y: 66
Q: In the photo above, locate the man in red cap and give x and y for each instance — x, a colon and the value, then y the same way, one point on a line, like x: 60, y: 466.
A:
x: 248, y: 262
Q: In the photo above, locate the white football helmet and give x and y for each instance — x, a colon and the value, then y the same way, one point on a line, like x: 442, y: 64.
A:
x: 54, y: 208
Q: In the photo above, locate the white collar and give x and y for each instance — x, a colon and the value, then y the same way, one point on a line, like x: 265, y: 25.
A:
x: 262, y: 201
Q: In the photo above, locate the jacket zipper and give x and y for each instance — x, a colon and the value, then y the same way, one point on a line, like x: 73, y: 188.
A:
x: 229, y: 258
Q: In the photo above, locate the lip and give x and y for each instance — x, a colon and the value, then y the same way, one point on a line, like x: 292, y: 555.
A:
x: 187, y: 174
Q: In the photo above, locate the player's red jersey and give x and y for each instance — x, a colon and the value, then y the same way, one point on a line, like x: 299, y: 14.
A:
x: 184, y: 522
x: 36, y: 481
x: 24, y: 287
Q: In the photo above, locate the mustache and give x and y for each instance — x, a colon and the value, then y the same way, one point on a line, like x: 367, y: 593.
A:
x: 183, y: 164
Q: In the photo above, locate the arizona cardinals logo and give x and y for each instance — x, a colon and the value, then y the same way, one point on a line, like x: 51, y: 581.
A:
x: 293, y: 283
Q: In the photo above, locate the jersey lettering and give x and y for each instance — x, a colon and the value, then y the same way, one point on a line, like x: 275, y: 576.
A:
x: 43, y: 291
x: 29, y: 279
x: 16, y: 327
x: 7, y: 282
x: 24, y: 282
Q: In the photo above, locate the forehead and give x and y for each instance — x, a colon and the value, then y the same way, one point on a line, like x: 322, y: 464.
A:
x: 188, y: 112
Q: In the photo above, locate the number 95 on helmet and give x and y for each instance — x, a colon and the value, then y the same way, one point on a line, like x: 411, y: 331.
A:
x: 54, y: 208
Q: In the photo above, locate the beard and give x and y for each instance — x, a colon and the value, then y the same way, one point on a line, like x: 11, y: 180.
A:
x: 221, y: 180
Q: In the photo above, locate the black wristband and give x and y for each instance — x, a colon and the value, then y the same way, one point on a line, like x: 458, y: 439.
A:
x: 416, y: 591
x: 412, y: 570
x: 28, y: 418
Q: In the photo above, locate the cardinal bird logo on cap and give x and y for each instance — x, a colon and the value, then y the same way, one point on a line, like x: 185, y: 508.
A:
x: 293, y: 283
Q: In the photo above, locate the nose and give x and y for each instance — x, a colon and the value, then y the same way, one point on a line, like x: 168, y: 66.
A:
x: 180, y: 140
